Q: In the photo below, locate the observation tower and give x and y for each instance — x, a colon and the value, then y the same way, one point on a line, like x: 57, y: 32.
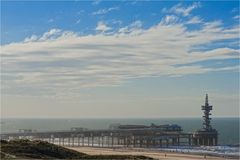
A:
x: 206, y: 136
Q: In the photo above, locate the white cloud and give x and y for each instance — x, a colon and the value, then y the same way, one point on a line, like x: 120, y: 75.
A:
x: 102, y: 27
x: 182, y: 10
x: 169, y: 19
x: 64, y: 62
x: 195, y: 20
x: 118, y: 22
x: 104, y: 11
x: 237, y: 17
x: 136, y: 24
x: 31, y: 38
x: 133, y: 28
x: 51, y: 34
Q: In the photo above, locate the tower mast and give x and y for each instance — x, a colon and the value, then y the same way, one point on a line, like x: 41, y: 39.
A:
x: 206, y: 135
x: 206, y: 119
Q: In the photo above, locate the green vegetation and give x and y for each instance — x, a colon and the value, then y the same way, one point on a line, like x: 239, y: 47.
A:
x: 26, y: 149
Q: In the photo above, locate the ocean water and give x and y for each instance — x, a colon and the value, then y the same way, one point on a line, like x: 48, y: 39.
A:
x: 228, y: 128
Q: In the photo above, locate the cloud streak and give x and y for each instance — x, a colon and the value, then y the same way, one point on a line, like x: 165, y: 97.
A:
x: 179, y: 9
x: 104, y: 11
x: 61, y: 63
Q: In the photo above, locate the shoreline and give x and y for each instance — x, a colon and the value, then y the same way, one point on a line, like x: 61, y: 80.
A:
x: 156, y: 154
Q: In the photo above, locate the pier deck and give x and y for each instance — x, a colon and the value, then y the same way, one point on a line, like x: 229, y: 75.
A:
x: 145, y: 138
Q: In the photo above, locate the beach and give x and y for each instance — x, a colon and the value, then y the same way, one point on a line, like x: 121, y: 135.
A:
x: 150, y: 153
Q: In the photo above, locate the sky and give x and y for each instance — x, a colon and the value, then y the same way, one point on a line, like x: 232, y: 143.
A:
x: 119, y: 59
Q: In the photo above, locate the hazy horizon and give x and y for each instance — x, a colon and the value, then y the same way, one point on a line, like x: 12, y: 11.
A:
x: 114, y: 117
x: 110, y: 59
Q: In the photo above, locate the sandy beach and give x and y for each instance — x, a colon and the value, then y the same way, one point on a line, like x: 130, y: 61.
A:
x: 153, y: 154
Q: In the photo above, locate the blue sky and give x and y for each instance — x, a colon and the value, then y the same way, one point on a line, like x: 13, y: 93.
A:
x: 119, y: 58
x: 21, y: 19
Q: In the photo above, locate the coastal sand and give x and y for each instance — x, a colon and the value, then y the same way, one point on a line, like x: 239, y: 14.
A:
x: 153, y: 154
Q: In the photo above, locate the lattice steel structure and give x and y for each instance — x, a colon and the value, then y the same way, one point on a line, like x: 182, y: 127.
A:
x: 207, y: 135
x: 206, y: 119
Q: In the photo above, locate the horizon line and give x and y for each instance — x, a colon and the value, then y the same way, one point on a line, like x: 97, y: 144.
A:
x: 113, y: 117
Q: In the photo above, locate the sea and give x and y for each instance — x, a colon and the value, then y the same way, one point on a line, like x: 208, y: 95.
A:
x: 228, y: 128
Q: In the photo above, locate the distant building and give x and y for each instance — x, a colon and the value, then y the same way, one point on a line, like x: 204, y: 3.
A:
x: 166, y: 127
x: 27, y: 130
x: 77, y: 129
x: 207, y: 135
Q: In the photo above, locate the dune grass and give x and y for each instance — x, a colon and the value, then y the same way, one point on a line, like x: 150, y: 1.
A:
x: 26, y: 149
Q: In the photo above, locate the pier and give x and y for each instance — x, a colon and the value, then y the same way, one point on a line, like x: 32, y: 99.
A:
x: 124, y: 136
x: 117, y: 135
